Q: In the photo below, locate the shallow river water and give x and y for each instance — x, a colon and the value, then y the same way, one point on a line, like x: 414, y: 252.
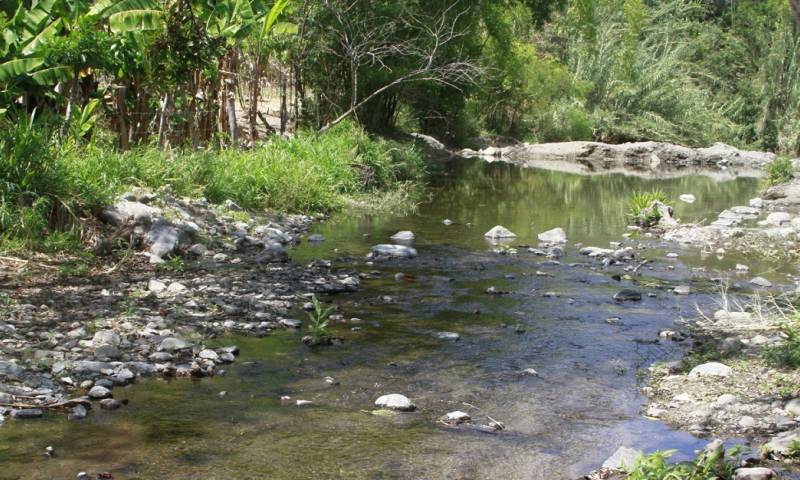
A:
x: 583, y: 405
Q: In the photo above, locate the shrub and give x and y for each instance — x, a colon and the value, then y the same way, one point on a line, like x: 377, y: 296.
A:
x: 779, y: 171
x: 707, y: 466
x: 787, y: 354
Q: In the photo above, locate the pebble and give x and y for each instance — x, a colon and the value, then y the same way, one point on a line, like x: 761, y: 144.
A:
x: 97, y: 392
x: 395, y: 401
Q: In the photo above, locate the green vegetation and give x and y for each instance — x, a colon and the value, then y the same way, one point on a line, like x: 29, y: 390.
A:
x: 48, y: 184
x: 786, y: 354
x: 642, y: 207
x: 779, y: 171
x: 318, y: 321
x: 707, y: 466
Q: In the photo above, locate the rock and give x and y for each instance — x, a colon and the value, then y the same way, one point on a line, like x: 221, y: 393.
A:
x: 681, y: 290
x: 793, y: 407
x: 393, y: 251
x: 747, y: 422
x: 156, y: 286
x: 755, y: 473
x: 756, y: 203
x: 711, y: 369
x: 27, y: 413
x: 761, y: 282
x: 90, y: 367
x: 687, y: 198
x: 106, y: 337
x: 316, y: 238
x: 782, y: 443
x: 125, y: 210
x: 777, y: 219
x: 290, y: 323
x: 447, y: 222
x: 273, y: 252
x: 163, y: 238
x: 731, y: 345
x: 107, y: 352
x: 725, y: 399
x: 231, y: 205
x: 79, y: 412
x: 450, y: 336
x: 6, y: 398
x: 176, y: 288
x: 303, y: 403
x: 112, y: 404
x: 173, y: 344
x: 627, y: 296
x: 456, y: 418
x: 623, y: 459
x: 556, y: 235
x: 208, y: 354
x: 403, y: 236
x: 395, y: 401
x: 97, y: 392
x: 742, y: 268
x: 499, y: 231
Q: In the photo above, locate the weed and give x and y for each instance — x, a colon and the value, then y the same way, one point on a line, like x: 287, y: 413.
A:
x: 715, y: 465
x: 172, y: 265
x: 318, y: 320
x: 642, y: 207
x: 779, y: 171
x: 73, y: 268
x: 786, y: 354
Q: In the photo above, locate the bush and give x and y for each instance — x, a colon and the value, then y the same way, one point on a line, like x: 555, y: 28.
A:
x: 779, y: 171
x: 707, y: 466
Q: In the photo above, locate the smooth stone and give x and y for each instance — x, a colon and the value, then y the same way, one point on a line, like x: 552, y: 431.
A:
x: 687, y: 198
x: 27, y: 413
x: 711, y: 369
x: 208, y: 354
x: 756, y: 203
x: 290, y: 323
x: 451, y: 336
x: 316, y: 238
x: 447, y: 222
x: 172, y: 344
x: 778, y: 218
x: 627, y: 295
x: 156, y: 286
x: 755, y: 473
x: 403, y: 236
x: 396, y: 251
x: 782, y: 443
x: 395, y: 401
x: 681, y: 290
x: 457, y: 417
x: 747, y: 422
x: 500, y: 231
x: 106, y: 337
x: 79, y: 412
x: 556, y: 235
x: 623, y: 459
x: 761, y: 282
x: 97, y: 392
x: 793, y: 407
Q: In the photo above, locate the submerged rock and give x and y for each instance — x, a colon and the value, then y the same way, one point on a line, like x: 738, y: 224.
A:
x: 687, y: 198
x: 450, y: 336
x: 456, y: 418
x: 761, y: 282
x: 403, y: 236
x: 395, y: 401
x: 623, y: 459
x: 756, y: 473
x: 627, y: 295
x: 783, y: 442
x: 499, y: 231
x: 393, y: 251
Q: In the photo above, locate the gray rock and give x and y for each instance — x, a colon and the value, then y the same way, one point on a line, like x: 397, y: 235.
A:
x: 316, y: 238
x: 711, y: 369
x: 273, y: 252
x: 10, y: 369
x: 393, y: 251
x: 793, y: 407
x: 731, y: 345
x: 290, y: 323
x: 747, y: 422
x: 156, y: 286
x: 499, y: 231
x: 208, y: 354
x: 163, y: 238
x: 124, y: 211
x: 627, y: 295
x: 756, y: 203
x: 755, y: 473
x: 449, y: 336
x: 623, y: 459
x: 782, y: 443
x: 777, y: 219
x: 90, y: 367
x: 79, y: 412
x: 456, y: 418
x: 106, y: 337
x: 395, y: 401
x: 231, y: 205
x: 403, y: 236
x: 176, y: 288
x: 6, y: 398
x: 681, y: 290
x: 761, y: 282
x: 160, y: 357
x: 27, y: 413
x: 107, y: 352
x: 172, y: 344
x: 97, y: 392
x: 556, y: 235
x: 687, y: 198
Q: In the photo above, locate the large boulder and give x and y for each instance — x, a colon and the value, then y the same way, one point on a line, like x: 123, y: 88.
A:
x: 783, y: 442
x: 106, y: 337
x: 164, y: 238
x: 711, y: 369
x: 623, y: 459
x: 126, y: 211
x: 273, y: 252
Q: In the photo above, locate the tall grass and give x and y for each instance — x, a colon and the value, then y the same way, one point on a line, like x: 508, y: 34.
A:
x: 310, y: 173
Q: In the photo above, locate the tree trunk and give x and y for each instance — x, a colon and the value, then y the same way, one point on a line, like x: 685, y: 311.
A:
x: 255, y: 93
x: 162, y: 122
x: 122, y: 115
x: 283, y: 103
x: 231, y: 99
x: 71, y: 102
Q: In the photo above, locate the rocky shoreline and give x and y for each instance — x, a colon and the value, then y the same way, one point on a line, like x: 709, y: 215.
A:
x: 192, y: 271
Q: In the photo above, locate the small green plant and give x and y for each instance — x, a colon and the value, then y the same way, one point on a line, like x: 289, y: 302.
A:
x: 787, y: 354
x: 74, y: 268
x: 794, y: 450
x: 714, y: 465
x: 173, y: 265
x: 641, y: 207
x: 779, y: 171
x: 319, y: 322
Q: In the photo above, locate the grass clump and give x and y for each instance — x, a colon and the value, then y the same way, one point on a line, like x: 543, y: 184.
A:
x: 318, y: 323
x: 786, y: 354
x: 642, y: 207
x: 779, y: 171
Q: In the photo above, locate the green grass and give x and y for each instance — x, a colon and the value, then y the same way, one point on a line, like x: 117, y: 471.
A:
x: 640, y: 207
x: 779, y: 171
x: 47, y: 186
x: 712, y: 466
x: 787, y: 354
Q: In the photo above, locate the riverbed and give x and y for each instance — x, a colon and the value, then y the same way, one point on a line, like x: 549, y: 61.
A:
x: 557, y: 317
